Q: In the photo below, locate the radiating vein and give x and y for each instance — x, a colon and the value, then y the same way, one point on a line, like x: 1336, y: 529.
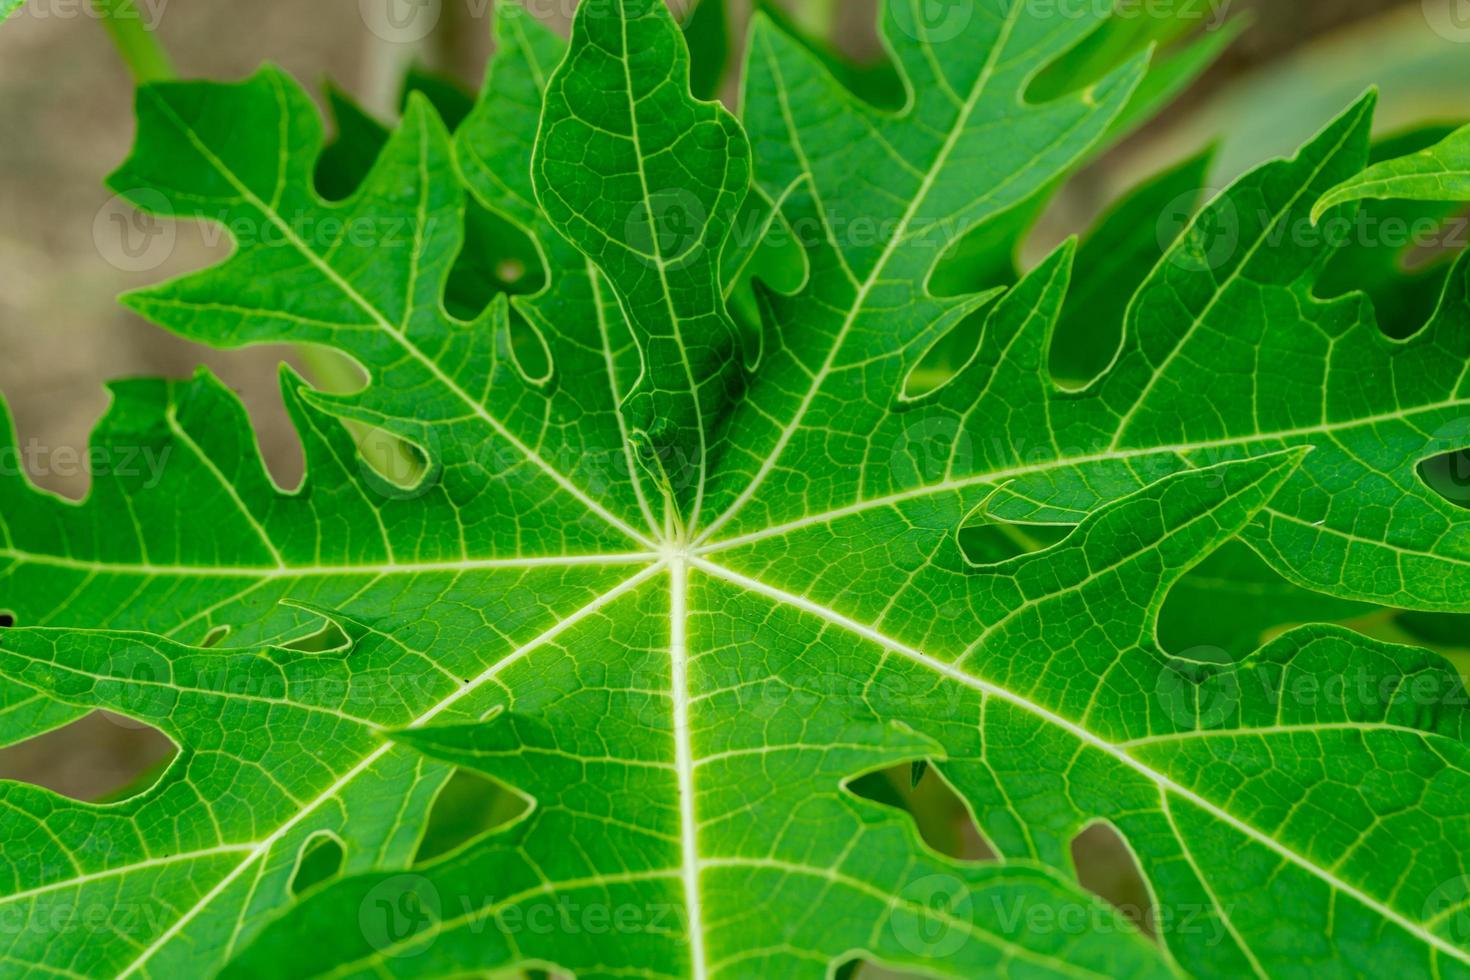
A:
x: 1089, y: 739
x: 684, y: 760
x: 1049, y: 466
x: 263, y: 847
x: 875, y: 276
x: 388, y: 328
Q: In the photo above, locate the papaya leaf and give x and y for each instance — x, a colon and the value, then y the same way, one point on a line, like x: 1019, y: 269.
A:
x: 677, y: 583
x: 1437, y: 173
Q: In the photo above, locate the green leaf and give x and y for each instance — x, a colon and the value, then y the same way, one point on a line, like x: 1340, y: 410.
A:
x: 8, y: 7
x: 1114, y: 261
x: 1128, y: 32
x: 988, y: 256
x: 683, y: 679
x: 646, y: 181
x: 495, y: 258
x: 707, y: 33
x: 1251, y: 258
x: 1399, y: 261
x: 1142, y: 753
x: 1438, y: 173
x: 873, y: 244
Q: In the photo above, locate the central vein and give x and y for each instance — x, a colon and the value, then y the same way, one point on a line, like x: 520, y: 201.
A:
x: 683, y: 758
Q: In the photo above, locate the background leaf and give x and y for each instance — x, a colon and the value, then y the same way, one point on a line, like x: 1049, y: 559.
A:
x: 1437, y: 173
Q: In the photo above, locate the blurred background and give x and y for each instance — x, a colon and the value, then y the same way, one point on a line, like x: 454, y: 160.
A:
x: 65, y: 253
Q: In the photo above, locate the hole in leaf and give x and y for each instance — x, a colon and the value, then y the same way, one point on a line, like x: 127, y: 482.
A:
x: 510, y: 270
x: 497, y: 257
x: 780, y: 259
x: 321, y: 860
x: 1449, y: 476
x: 1107, y: 867
x: 528, y: 347
x: 214, y: 637
x: 7, y: 620
x: 469, y: 805
x: 333, y: 371
x: 996, y: 541
x: 329, y: 637
x: 946, y: 356
x: 100, y: 757
x: 942, y: 818
x: 396, y: 461
x: 1233, y: 601
x: 858, y: 968
x: 400, y: 465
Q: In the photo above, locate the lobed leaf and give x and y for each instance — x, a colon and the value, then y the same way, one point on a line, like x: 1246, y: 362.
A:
x: 684, y: 677
x: 1437, y: 173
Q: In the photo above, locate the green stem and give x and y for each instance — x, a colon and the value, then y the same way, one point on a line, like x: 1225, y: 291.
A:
x: 135, y: 40
x: 819, y: 18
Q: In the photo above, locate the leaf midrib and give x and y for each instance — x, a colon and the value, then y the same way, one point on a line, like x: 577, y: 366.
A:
x: 677, y: 565
x: 859, y: 302
x: 261, y: 848
x: 268, y: 572
x: 676, y: 323
x: 1015, y: 472
x: 1084, y: 735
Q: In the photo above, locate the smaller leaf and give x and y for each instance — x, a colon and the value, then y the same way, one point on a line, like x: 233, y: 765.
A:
x: 646, y: 180
x: 1439, y: 173
x: 1404, y: 273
